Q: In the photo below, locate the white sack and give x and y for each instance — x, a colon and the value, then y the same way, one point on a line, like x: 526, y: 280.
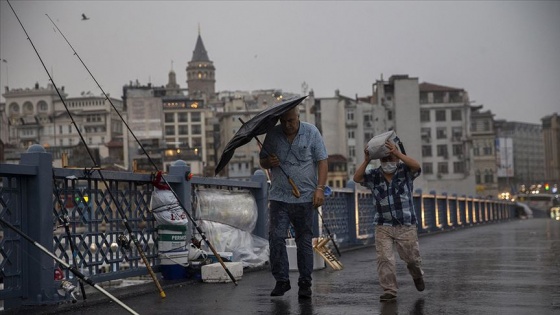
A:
x: 376, y: 146
x: 166, y: 208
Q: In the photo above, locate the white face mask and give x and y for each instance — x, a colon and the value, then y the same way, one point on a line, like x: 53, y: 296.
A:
x: 389, y: 167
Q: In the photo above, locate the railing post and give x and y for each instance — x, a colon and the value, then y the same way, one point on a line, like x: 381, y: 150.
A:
x: 352, y: 212
x: 37, y: 223
x: 261, y: 197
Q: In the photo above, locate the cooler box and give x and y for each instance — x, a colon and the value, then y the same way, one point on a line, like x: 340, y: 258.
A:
x: 216, y: 273
x: 318, y: 261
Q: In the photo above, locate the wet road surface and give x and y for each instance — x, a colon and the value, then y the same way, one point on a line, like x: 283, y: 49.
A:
x: 496, y: 268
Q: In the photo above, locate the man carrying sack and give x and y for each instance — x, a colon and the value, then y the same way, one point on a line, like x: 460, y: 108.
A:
x: 395, y: 218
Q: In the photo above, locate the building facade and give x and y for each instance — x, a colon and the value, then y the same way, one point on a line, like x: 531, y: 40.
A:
x: 521, y: 146
x: 445, y: 114
x: 483, y: 133
x: 551, y: 138
x: 38, y: 116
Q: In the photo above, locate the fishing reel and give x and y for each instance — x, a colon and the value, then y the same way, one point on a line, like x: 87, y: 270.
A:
x: 66, y: 287
x: 123, y: 242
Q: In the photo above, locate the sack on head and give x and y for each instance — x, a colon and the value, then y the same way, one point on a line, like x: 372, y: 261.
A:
x: 376, y: 146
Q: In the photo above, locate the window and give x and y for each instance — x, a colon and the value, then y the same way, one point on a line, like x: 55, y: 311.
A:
x: 457, y: 149
x: 60, y: 129
x: 424, y: 115
x: 488, y: 176
x: 169, y: 117
x: 196, y: 129
x: 426, y: 150
x: 350, y: 115
x: 456, y: 115
x: 69, y: 128
x: 27, y: 108
x: 42, y: 106
x: 458, y: 167
x: 441, y: 133
x: 440, y: 115
x: 182, y: 117
x: 196, y: 142
x: 456, y: 133
x: 183, y: 130
x: 351, y: 151
x: 195, y: 117
x: 389, y: 115
x: 476, y: 151
x: 443, y: 168
x: 477, y: 177
x: 14, y: 108
x: 427, y: 168
x: 442, y: 150
x: 350, y: 134
x: 169, y: 130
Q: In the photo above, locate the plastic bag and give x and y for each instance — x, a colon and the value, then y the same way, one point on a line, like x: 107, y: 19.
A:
x: 251, y: 250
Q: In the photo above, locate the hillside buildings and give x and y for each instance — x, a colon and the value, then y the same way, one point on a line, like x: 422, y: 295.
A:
x: 462, y: 149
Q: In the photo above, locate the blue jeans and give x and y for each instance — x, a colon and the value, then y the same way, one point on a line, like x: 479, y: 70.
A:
x: 300, y: 215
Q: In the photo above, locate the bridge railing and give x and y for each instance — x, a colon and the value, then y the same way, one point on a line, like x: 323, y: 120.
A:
x: 40, y: 200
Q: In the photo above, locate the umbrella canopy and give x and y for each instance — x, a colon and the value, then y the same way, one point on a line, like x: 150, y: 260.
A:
x: 255, y: 126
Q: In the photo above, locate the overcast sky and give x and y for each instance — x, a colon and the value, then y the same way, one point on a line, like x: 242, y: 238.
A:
x: 505, y: 54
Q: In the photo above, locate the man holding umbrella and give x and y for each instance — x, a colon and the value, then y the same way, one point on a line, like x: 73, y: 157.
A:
x: 295, y: 148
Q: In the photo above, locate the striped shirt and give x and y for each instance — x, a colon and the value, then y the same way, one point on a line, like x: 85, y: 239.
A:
x: 393, y: 201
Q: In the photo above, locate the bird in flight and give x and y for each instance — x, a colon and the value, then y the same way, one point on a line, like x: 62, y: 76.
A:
x: 84, y: 17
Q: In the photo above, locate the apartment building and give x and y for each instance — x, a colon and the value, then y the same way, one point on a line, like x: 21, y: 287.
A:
x: 445, y: 120
x: 551, y: 138
x: 38, y: 116
x: 483, y: 134
x: 521, y: 160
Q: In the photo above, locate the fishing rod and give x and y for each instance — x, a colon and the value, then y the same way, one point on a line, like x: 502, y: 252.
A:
x: 195, y: 225
x: 119, y: 209
x: 295, y: 190
x: 75, y: 271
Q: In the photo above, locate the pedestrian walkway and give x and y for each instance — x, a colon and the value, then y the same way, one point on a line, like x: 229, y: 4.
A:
x: 500, y: 268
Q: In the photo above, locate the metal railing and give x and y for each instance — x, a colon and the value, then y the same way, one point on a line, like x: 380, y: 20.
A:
x: 37, y: 198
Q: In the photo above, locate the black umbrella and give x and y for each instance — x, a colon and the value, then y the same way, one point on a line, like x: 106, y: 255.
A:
x: 258, y: 125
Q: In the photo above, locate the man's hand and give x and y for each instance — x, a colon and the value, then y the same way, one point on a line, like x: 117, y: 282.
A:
x: 273, y: 160
x: 318, y: 198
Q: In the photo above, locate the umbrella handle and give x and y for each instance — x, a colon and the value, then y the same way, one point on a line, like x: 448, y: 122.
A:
x: 295, y: 190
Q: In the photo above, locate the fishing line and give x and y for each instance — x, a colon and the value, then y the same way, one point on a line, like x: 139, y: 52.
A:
x: 195, y: 225
x: 119, y: 209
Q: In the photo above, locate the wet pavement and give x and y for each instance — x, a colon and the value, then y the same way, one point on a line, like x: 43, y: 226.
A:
x: 499, y: 268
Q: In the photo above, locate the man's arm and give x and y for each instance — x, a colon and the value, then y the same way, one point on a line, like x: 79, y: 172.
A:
x: 361, y: 170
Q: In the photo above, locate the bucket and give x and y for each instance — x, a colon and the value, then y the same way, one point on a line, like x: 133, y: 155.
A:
x: 172, y: 238
x: 174, y: 265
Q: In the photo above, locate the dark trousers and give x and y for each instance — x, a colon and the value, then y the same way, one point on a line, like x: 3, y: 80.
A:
x: 300, y: 215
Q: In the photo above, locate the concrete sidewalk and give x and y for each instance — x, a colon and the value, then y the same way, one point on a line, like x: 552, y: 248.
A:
x: 498, y: 268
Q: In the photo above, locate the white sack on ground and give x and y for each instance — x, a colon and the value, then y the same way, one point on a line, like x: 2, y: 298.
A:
x: 166, y: 208
x: 251, y: 250
x: 236, y: 208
